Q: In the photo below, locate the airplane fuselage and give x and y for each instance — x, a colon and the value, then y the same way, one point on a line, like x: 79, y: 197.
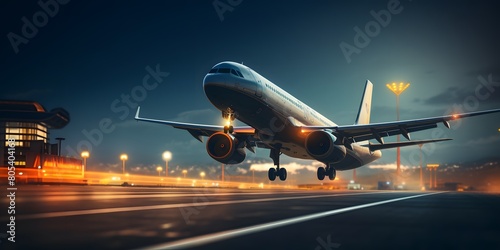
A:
x: 275, y: 114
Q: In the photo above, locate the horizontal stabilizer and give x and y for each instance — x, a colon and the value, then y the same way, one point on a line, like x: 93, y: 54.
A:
x: 375, y: 147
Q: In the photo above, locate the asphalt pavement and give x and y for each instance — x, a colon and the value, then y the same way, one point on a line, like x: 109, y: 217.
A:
x: 112, y: 217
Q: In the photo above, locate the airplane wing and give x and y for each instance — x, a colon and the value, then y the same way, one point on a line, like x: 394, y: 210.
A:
x: 198, y: 130
x: 363, y: 132
x: 374, y: 147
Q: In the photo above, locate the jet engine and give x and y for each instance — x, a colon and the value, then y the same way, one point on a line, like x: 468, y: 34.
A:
x: 225, y: 148
x: 321, y: 146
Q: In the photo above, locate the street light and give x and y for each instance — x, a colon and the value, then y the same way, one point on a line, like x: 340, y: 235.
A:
x: 184, y: 172
x: 432, y: 167
x: 253, y: 175
x: 85, y: 155
x: 123, y: 157
x: 222, y: 169
x: 202, y: 174
x: 167, y: 156
x: 421, y: 177
x: 159, y: 169
x: 398, y: 89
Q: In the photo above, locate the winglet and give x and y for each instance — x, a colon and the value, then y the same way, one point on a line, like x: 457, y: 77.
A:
x: 365, y: 106
x: 137, y: 113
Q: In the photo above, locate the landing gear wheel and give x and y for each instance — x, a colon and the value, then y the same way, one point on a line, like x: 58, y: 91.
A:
x: 321, y: 173
x: 282, y: 174
x: 229, y: 115
x: 228, y: 129
x: 331, y: 173
x: 272, y: 174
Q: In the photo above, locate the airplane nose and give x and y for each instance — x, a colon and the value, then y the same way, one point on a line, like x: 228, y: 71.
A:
x: 214, y: 80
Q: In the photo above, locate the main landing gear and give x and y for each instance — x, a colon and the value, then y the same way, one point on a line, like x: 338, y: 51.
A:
x: 329, y: 171
x: 273, y: 172
x: 228, y: 115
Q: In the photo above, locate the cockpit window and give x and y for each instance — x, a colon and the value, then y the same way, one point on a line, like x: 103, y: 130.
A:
x: 226, y: 71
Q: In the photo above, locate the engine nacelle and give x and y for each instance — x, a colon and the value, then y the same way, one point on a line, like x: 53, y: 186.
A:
x: 321, y: 146
x: 225, y: 148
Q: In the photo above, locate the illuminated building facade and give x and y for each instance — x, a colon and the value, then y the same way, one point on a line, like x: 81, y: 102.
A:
x: 28, y: 123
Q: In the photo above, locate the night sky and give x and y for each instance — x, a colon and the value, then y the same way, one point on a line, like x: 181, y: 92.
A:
x: 90, y: 58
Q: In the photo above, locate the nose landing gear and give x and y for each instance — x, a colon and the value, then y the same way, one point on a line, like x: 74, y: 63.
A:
x: 229, y: 116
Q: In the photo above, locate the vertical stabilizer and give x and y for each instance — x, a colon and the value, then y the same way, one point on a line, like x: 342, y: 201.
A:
x: 366, y: 105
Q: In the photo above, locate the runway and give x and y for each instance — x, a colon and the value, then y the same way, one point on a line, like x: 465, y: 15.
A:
x: 112, y: 217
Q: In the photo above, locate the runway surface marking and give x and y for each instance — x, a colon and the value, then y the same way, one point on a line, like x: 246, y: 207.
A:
x: 90, y: 196
x: 224, y: 235
x: 179, y: 205
x: 58, y: 193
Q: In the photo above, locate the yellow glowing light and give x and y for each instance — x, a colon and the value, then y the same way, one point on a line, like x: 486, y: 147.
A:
x: 455, y: 116
x: 167, y: 156
x: 85, y: 154
x: 398, y: 88
x: 202, y: 174
x: 123, y: 157
x: 432, y: 166
x: 159, y: 169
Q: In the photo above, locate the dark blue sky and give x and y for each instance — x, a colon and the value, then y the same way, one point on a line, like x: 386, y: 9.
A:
x: 88, y: 55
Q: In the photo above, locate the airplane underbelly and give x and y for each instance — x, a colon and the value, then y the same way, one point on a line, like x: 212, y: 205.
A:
x: 295, y: 151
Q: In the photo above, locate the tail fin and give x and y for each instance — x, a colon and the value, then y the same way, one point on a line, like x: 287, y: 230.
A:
x: 366, y: 105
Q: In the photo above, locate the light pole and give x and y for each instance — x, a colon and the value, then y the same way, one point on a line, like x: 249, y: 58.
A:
x: 167, y: 156
x: 202, y: 175
x: 421, y: 177
x: 184, y: 172
x: 123, y: 157
x: 253, y: 175
x: 222, y: 168
x: 159, y: 169
x: 433, y: 167
x: 85, y: 155
x: 397, y: 90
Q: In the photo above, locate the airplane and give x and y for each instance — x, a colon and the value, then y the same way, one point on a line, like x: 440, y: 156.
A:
x: 285, y: 125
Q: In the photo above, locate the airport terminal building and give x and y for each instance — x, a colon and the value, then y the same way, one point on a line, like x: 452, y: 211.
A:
x: 28, y: 123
